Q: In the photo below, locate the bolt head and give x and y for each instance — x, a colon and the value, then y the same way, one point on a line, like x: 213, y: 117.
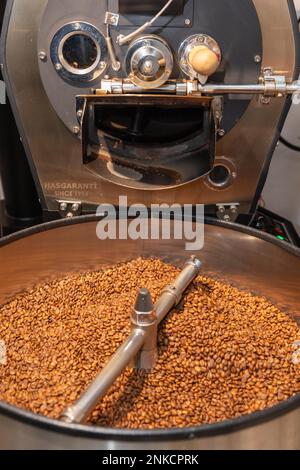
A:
x: 63, y: 206
x: 257, y: 59
x: 75, y: 207
x: 76, y: 130
x: 187, y: 22
x: 117, y: 66
x: 268, y: 72
x: 43, y: 56
x: 221, y: 132
x: 58, y: 67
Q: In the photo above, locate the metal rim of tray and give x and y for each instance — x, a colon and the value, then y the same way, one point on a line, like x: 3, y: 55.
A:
x: 201, y: 431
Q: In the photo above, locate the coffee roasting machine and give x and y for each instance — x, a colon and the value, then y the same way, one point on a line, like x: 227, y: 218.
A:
x: 186, y: 109
x: 164, y: 102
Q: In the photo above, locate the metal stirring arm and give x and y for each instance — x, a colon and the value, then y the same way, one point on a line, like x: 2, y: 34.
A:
x: 140, y: 346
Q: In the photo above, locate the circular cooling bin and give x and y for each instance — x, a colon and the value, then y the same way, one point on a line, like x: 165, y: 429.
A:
x: 241, y: 256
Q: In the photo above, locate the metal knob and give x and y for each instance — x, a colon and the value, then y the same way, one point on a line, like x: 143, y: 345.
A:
x: 204, y: 60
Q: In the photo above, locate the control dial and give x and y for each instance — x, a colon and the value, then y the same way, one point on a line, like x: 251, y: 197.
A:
x: 200, y: 56
x: 149, y: 62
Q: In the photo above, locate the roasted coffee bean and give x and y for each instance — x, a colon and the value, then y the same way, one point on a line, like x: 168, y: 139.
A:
x: 223, y: 352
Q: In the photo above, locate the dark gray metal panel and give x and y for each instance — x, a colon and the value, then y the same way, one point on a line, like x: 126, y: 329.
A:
x: 174, y: 17
x: 238, y: 49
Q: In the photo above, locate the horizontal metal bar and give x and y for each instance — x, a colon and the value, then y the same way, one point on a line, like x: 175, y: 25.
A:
x: 274, y: 86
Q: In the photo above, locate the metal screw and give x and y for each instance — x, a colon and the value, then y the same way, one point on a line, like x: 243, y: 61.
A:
x: 79, y: 113
x: 265, y: 100
x: 63, y: 206
x: 268, y: 72
x: 76, y: 130
x: 75, y: 207
x: 42, y: 56
x: 58, y: 66
x: 257, y: 59
x: 69, y: 215
x: 116, y: 66
x: 102, y: 65
x: 77, y: 26
x: 187, y: 22
x: 221, y: 132
x: 227, y: 218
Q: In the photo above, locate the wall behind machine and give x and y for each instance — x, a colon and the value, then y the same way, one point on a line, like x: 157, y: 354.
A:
x: 281, y: 193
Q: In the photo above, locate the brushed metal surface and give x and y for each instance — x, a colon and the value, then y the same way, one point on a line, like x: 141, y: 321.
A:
x: 240, y: 258
x: 56, y: 154
x: 279, y: 434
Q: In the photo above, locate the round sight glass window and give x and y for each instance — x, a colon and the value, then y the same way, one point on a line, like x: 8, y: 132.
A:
x: 80, y: 52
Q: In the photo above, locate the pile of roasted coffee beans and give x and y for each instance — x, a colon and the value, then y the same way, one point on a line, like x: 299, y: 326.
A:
x: 223, y: 352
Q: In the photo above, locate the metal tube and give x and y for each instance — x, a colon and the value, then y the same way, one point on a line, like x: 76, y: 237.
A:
x: 251, y: 89
x: 172, y: 295
x: 78, y: 412
x: 182, y: 87
x: 231, y: 89
x: 167, y: 88
x: 114, y: 62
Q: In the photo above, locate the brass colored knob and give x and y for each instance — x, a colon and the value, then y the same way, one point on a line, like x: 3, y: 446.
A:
x: 203, y: 60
